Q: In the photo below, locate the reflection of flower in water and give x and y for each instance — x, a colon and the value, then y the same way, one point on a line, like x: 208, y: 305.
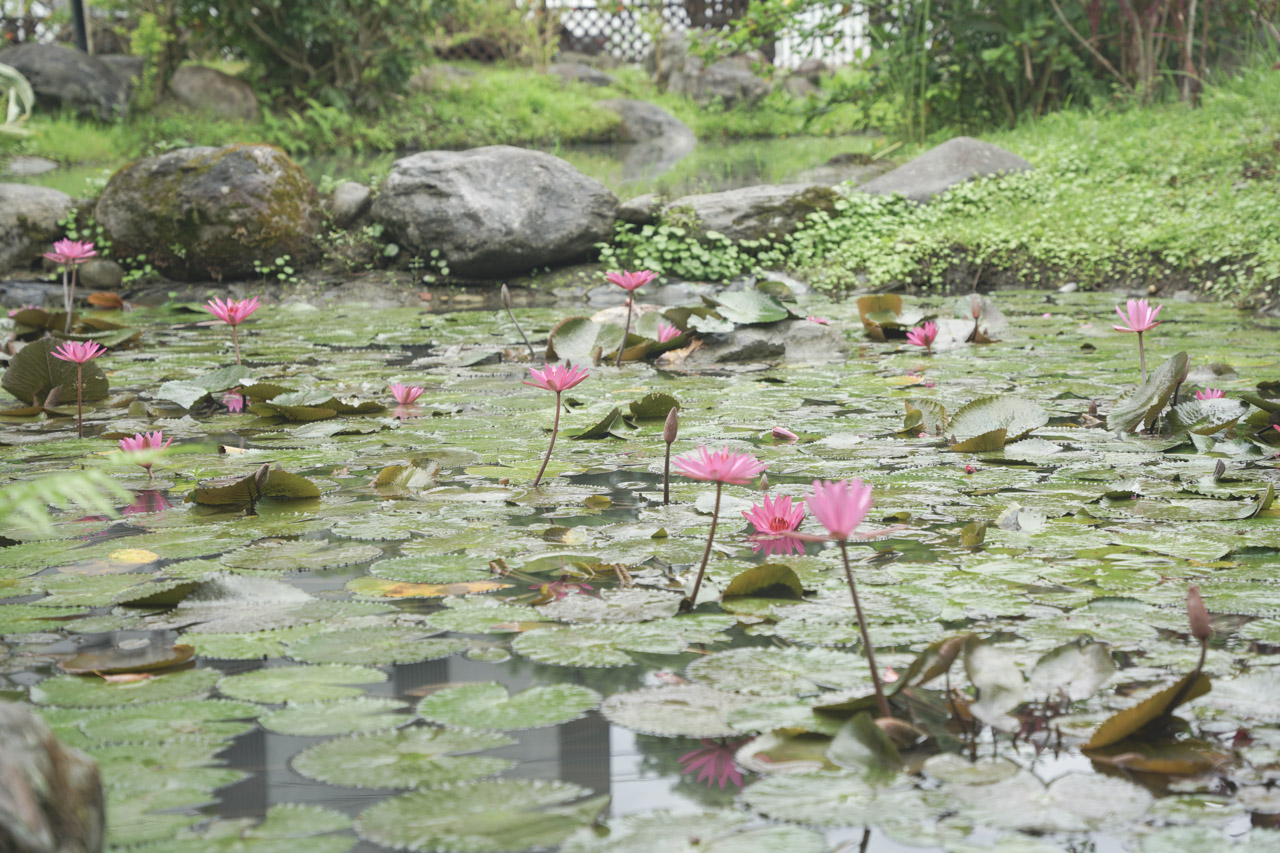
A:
x: 556, y: 590
x: 147, y: 501
x: 771, y: 545
x: 403, y: 413
x: 714, y: 762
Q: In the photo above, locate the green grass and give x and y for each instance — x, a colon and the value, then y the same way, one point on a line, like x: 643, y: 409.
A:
x: 1164, y: 196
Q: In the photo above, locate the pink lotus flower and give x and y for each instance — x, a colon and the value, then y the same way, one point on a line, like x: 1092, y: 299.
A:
x: 667, y: 331
x: 233, y: 312
x: 840, y: 505
x: 1210, y: 394
x: 71, y: 252
x: 405, y: 394
x: 1138, y: 316
x: 233, y: 401
x: 145, y: 441
x: 721, y: 466
x: 559, y: 379
x: 776, y: 516
x: 784, y: 434
x: 969, y: 469
x: 630, y: 281
x: 79, y: 352
x: 714, y: 762
x: 821, y: 321
x: 923, y: 336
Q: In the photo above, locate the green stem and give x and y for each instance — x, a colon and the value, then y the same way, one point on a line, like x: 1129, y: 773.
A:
x: 66, y: 300
x: 554, y: 429
x: 71, y: 300
x: 1142, y: 357
x: 706, y: 554
x: 666, y: 477
x: 235, y: 339
x: 80, y: 400
x: 881, y: 703
x: 626, y: 330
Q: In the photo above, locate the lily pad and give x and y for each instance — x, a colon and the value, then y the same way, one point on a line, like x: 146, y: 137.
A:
x: 707, y: 832
x: 489, y: 706
x: 92, y: 692
x: 340, y: 717
x: 33, y: 372
x: 1144, y: 405
x: 687, y: 710
x: 1015, y: 415
x: 300, y: 683
x: 405, y: 758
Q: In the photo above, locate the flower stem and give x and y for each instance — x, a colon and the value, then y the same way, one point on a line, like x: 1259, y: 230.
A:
x: 66, y: 301
x: 666, y: 477
x: 1142, y: 357
x: 626, y: 330
x: 79, y: 400
x: 71, y: 300
x: 512, y: 315
x: 554, y: 429
x: 235, y: 339
x: 706, y: 554
x: 881, y: 703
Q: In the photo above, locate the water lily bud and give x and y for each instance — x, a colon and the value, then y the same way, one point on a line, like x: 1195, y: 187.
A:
x: 764, y: 482
x: 672, y: 426
x: 506, y: 297
x: 1198, y: 615
x: 975, y: 306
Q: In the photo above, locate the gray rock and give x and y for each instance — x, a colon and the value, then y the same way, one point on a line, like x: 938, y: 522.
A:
x: 209, y: 90
x: 842, y: 168
x: 656, y: 139
x: 29, y: 223
x: 938, y: 169
x: 24, y: 165
x: 494, y: 211
x: 812, y: 70
x: 580, y: 73
x: 349, y: 202
x: 790, y: 341
x: 800, y: 87
x: 729, y: 80
x: 641, y: 210
x: 752, y: 213
x: 127, y: 67
x: 439, y: 76
x: 50, y: 796
x: 101, y: 274
x: 64, y: 78
x: 209, y: 213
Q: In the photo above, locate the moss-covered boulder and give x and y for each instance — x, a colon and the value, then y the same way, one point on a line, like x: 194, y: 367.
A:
x: 209, y: 213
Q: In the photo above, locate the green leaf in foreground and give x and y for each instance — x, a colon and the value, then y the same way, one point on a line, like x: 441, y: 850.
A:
x: 92, y: 692
x: 1144, y: 405
x: 499, y: 816
x: 283, y: 830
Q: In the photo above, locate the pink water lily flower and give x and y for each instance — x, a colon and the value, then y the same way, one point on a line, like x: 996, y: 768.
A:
x: 145, y: 441
x: 784, y: 434
x: 840, y: 506
x: 405, y: 394
x: 821, y: 321
x: 1210, y: 394
x: 1139, y: 317
x: 923, y: 336
x: 70, y: 254
x: 630, y: 281
x: 667, y: 331
x: 233, y: 312
x: 719, y: 467
x: 773, y: 517
x: 556, y: 377
x: 79, y: 352
x: 714, y: 762
x: 233, y: 401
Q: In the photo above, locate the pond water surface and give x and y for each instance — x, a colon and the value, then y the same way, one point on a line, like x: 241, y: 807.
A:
x: 459, y: 661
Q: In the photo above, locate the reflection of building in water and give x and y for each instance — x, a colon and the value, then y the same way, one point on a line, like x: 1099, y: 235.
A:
x: 576, y: 752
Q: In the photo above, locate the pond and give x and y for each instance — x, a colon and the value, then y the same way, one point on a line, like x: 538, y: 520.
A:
x: 431, y: 654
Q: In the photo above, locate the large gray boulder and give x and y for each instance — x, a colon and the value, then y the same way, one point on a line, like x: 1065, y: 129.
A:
x: 63, y: 78
x: 50, y: 796
x: 751, y: 213
x: 209, y: 213
x: 349, y: 202
x: 579, y: 72
x: 209, y: 90
x: 494, y: 211
x: 29, y: 223
x: 729, y: 80
x: 942, y: 167
x: 658, y: 140
x: 790, y: 341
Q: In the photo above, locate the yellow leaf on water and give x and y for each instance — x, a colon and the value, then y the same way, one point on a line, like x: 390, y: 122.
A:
x: 133, y: 555
x: 384, y: 588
